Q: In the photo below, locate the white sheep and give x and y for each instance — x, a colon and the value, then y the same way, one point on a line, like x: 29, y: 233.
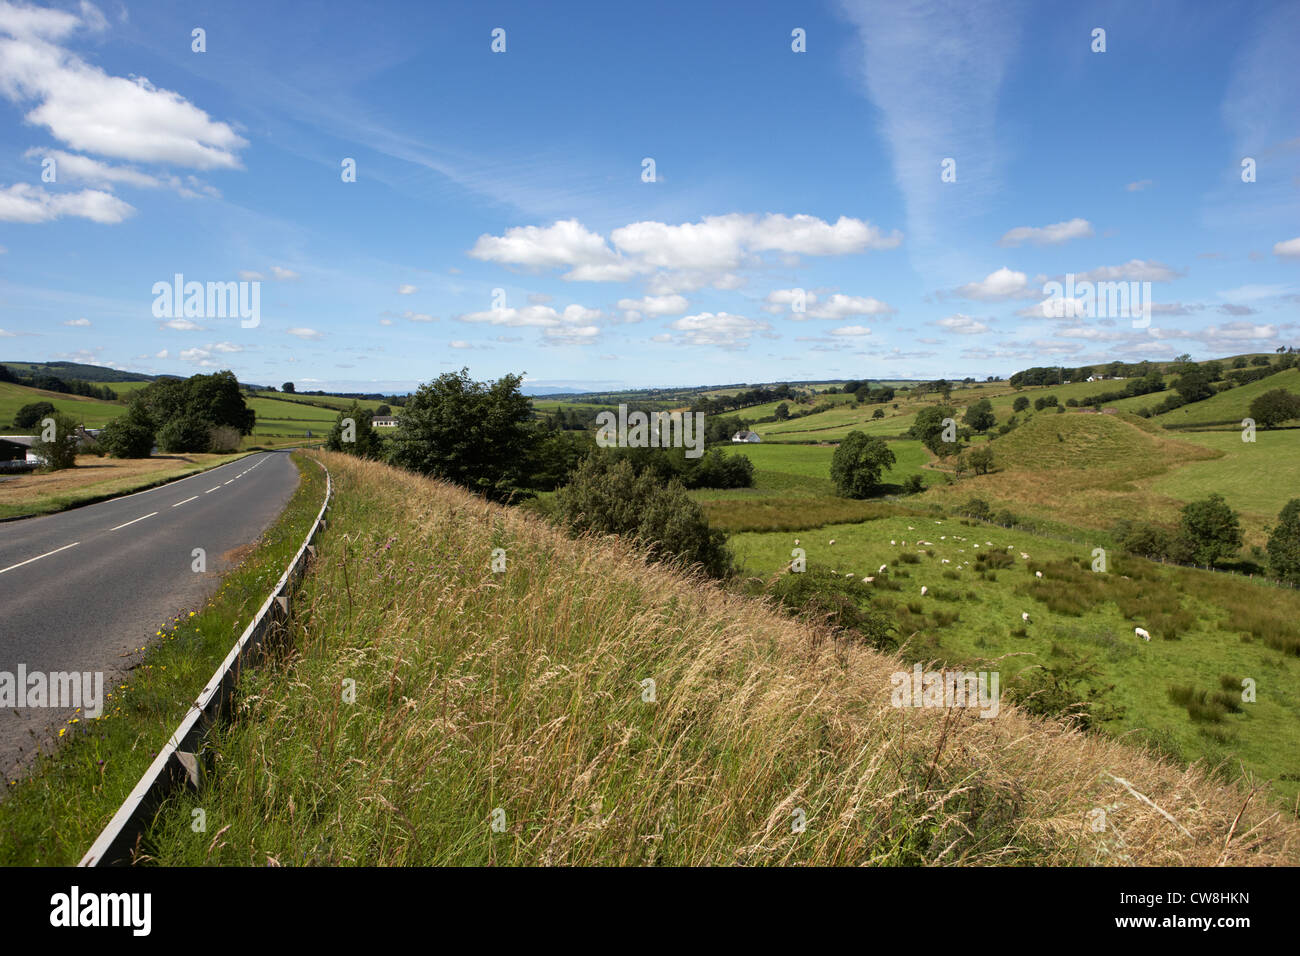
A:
x: 796, y: 542
x: 923, y: 590
x: 910, y: 528
x: 989, y: 543
x: 892, y: 541
x: 848, y: 575
x: 1024, y: 616
x: 1142, y: 633
x: 882, y: 569
x: 832, y: 542
x: 944, y: 561
x: 1038, y: 574
x: 868, y: 580
x: 1024, y: 556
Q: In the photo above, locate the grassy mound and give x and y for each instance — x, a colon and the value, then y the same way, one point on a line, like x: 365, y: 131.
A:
x: 438, y: 713
x: 1090, y: 442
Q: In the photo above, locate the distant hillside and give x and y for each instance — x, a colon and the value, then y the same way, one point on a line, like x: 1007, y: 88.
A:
x: 1230, y: 406
x: 78, y: 370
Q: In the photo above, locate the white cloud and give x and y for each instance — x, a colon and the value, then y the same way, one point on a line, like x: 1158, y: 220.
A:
x: 1138, y: 186
x: 703, y: 252
x: 656, y: 304
x: 460, y: 344
x: 933, y: 71
x: 197, y: 356
x: 225, y: 347
x: 82, y: 323
x: 851, y: 330
x: 302, y: 333
x: 1135, y: 270
x: 539, y: 316
x: 1289, y: 249
x: 407, y: 289
x: 91, y: 111
x: 1052, y: 235
x: 566, y: 242
x: 847, y: 306
x: 725, y: 242
x: 284, y: 275
x: 72, y: 167
x: 1002, y: 284
x: 418, y: 317
x: 962, y: 324
x: 181, y: 325
x: 23, y: 202
x: 721, y: 329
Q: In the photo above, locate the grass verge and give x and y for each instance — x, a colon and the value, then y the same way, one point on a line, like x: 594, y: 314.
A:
x: 52, y: 816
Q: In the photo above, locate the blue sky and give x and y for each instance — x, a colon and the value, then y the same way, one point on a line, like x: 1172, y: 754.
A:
x: 778, y: 174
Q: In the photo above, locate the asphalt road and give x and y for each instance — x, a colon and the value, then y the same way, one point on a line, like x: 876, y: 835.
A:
x: 83, y: 589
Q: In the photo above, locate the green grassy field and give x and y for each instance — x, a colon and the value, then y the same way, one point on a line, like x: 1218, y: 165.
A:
x: 1265, y: 737
x: 1256, y: 477
x: 90, y: 412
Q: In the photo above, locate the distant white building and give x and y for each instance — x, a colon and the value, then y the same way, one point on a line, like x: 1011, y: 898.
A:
x: 746, y: 436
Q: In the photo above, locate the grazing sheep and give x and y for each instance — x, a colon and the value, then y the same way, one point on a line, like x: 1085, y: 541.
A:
x: 910, y: 528
x: 1023, y: 555
x: 989, y: 543
x: 882, y: 569
x: 1024, y: 616
x: 832, y: 541
x: 796, y: 542
x: 848, y: 575
x: 923, y: 590
x: 944, y: 561
x: 868, y: 580
x: 1142, y: 633
x: 892, y: 541
x: 1038, y: 574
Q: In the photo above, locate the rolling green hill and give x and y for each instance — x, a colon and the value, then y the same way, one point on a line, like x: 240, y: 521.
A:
x: 90, y: 412
x: 1230, y: 406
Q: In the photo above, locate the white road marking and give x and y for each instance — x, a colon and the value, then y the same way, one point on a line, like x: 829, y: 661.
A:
x: 179, y: 503
x: 210, y: 490
x: 39, y: 556
x: 141, y: 518
x: 231, y: 481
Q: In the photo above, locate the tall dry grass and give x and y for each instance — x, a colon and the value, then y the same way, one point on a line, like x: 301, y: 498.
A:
x: 524, y: 691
